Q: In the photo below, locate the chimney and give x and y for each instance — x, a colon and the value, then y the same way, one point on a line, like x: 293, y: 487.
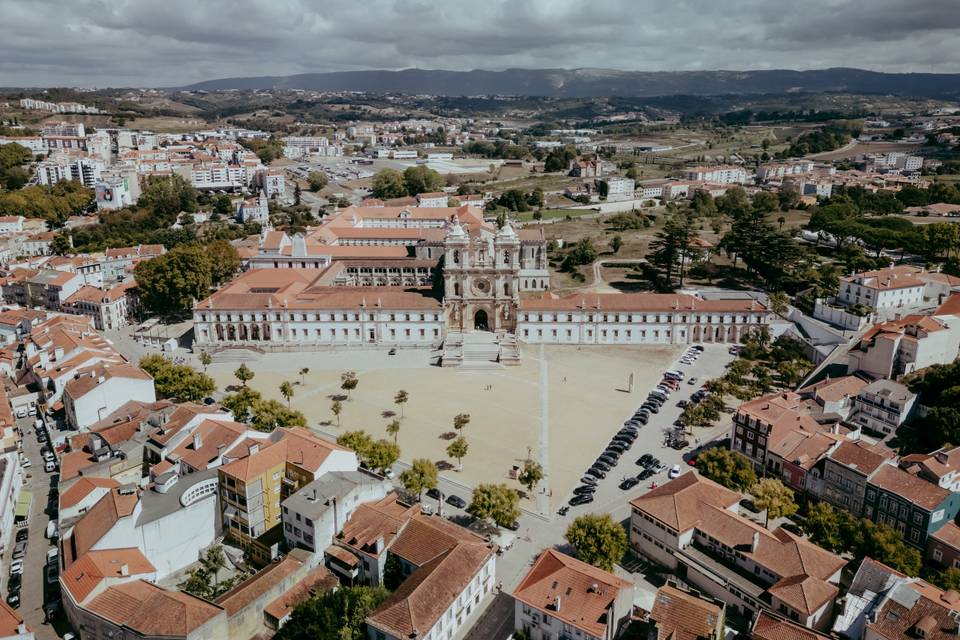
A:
x: 197, y: 441
x: 557, y: 608
x: 380, y: 544
x: 756, y: 542
x: 22, y: 628
x: 125, y: 569
x: 593, y: 588
x: 254, y: 448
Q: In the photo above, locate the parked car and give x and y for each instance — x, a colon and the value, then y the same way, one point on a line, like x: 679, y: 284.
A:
x: 456, y: 501
x: 603, y: 466
x: 513, y: 526
x: 792, y: 528
x: 20, y: 550
x: 13, y: 599
x: 22, y: 534
x: 656, y: 464
x: 645, y: 459
x: 692, y: 381
x: 597, y: 472
x: 683, y: 403
x: 16, y: 567
x: 562, y: 511
x: 646, y: 473
x: 581, y: 499
x: 679, y: 444
x: 674, y: 472
x: 25, y: 463
x: 586, y: 488
x: 629, y: 483
x: 50, y: 467
x: 434, y: 493
x: 589, y: 480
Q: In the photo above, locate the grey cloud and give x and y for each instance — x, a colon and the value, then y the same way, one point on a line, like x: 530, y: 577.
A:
x: 171, y: 42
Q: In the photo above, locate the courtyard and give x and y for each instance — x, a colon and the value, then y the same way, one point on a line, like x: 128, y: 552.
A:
x: 587, y: 400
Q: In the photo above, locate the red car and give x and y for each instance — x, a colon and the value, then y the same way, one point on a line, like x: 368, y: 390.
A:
x: 692, y: 462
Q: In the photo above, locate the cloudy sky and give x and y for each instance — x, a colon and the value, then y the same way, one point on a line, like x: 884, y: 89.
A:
x: 174, y: 42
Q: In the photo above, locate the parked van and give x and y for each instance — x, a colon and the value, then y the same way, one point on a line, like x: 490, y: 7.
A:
x: 50, y: 466
x: 51, y: 531
x: 674, y: 375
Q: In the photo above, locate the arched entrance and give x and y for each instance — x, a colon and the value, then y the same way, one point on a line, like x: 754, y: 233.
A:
x: 480, y: 321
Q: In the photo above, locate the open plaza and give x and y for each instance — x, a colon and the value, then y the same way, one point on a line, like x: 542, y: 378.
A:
x: 587, y: 399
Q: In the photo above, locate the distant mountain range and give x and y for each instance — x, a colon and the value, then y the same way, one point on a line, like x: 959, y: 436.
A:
x: 579, y: 83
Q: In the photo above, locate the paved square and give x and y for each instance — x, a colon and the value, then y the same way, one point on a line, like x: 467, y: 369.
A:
x: 588, y: 401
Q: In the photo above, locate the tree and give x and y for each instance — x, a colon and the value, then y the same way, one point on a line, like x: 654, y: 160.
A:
x: 334, y: 615
x: 598, y: 540
x: 774, y: 497
x: 421, y: 475
x: 224, y: 261
x: 243, y: 374
x: 337, y: 408
x: 496, y: 502
x: 460, y: 421
x: 530, y: 474
x: 422, y: 179
x: 180, y: 381
x: 241, y: 403
x: 270, y: 414
x: 286, y: 390
x: 166, y: 197
x: 213, y: 562
x: 392, y: 572
x: 348, y: 382
x: 222, y: 205
x: 388, y: 183
x: 728, y: 468
x: 303, y: 372
x: 400, y: 399
x: 317, y: 180
x: 393, y: 429
x: 948, y: 580
x: 360, y: 441
x: 61, y: 245
x: 297, y: 194
x: 381, y: 455
x: 169, y: 284
x: 778, y: 301
x: 670, y: 249
x: 603, y: 189
x: 206, y: 360
x: 615, y: 243
x: 458, y: 449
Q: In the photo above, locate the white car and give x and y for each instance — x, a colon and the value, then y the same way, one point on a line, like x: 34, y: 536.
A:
x: 16, y: 567
x: 25, y: 463
x: 674, y: 472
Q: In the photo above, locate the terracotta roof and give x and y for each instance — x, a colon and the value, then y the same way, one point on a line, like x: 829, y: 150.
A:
x: 343, y: 555
x: 950, y: 307
x: 84, y: 487
x: 214, y: 436
x: 680, y: 503
x: 915, y: 606
x: 862, y: 457
x: 266, y: 289
x: 936, y: 464
x: 318, y: 581
x: 88, y: 379
x: 422, y: 598
x: 899, y: 277
x: 90, y: 569
x: 247, y: 592
x: 804, y: 448
x: 426, y: 537
x: 557, y: 575
x: 151, y: 611
x: 768, y: 627
x: 835, y: 389
x: 10, y: 621
x: 100, y: 518
x: 372, y: 521
x: 682, y: 616
x: 804, y: 593
x: 73, y: 463
x: 948, y: 534
x: 920, y: 492
x: 666, y: 302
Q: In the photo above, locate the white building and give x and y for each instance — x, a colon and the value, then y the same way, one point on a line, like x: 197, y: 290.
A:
x: 113, y: 193
x: 719, y: 174
x: 97, y: 391
x: 620, y: 188
x: 272, y: 183
x: 883, y: 406
x: 11, y: 224
x: 254, y: 210
x: 433, y: 200
x: 34, y: 143
x: 883, y: 288
x: 316, y: 512
x: 61, y: 167
x: 897, y: 347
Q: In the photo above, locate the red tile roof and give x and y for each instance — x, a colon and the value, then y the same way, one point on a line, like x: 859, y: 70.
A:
x: 683, y: 616
x: 680, y: 503
x: 90, y: 569
x: 556, y: 575
x: 151, y: 611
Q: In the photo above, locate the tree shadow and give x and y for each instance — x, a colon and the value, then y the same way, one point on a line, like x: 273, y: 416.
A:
x: 448, y: 435
x: 444, y: 465
x: 338, y: 397
x: 388, y: 414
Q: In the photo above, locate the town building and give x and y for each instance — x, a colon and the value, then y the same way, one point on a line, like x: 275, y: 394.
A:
x: 940, y: 467
x: 845, y: 472
x: 96, y: 391
x: 883, y: 406
x: 314, y: 514
x: 254, y: 209
x: 692, y: 525
x: 562, y: 597
x: 679, y: 613
x: 433, y: 199
x: 898, y: 347
x: 719, y: 174
x: 913, y: 507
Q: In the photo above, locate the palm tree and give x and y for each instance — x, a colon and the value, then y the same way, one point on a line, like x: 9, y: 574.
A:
x: 336, y: 409
x: 303, y: 372
x: 461, y: 420
x: 401, y: 399
x: 393, y: 429
x: 286, y: 390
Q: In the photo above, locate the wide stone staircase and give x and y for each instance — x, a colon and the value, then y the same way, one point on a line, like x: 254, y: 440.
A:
x: 477, y: 350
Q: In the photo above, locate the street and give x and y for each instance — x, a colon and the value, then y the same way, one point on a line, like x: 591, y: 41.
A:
x: 41, y: 485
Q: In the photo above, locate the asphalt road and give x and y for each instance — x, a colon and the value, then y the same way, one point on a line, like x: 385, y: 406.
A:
x: 39, y: 483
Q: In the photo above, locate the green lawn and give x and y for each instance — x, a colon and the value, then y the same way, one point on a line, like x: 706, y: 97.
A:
x: 554, y: 213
